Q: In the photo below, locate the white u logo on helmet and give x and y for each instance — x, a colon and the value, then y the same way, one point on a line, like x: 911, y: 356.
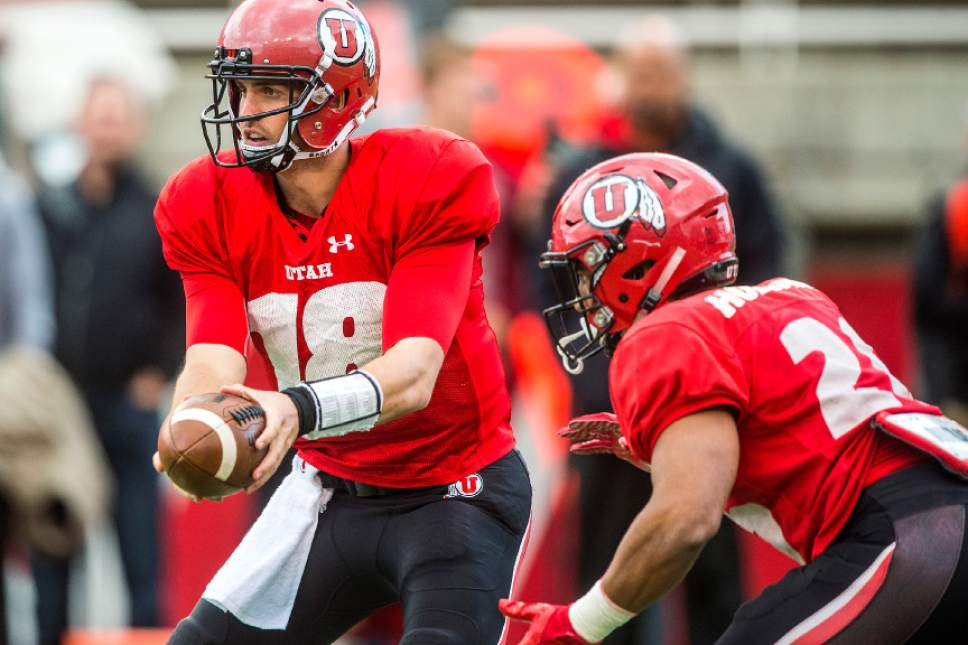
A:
x: 613, y: 199
x: 346, y: 38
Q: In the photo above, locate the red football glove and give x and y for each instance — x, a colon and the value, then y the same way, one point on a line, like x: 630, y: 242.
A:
x: 599, y: 433
x: 550, y: 624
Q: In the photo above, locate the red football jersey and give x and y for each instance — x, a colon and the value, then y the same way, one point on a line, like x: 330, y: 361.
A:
x: 312, y: 293
x: 803, y: 385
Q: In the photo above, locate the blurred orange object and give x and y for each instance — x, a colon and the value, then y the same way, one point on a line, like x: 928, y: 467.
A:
x: 117, y: 637
x: 544, y: 391
x: 536, y: 79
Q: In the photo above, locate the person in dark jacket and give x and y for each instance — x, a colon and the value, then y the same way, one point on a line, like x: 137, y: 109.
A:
x: 118, y: 316
x: 941, y: 300
x: 657, y: 115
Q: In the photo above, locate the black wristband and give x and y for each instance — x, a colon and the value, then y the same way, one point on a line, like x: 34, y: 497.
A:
x: 302, y: 398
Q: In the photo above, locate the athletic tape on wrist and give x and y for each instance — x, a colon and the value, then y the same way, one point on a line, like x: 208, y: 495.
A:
x: 344, y: 404
x: 594, y: 616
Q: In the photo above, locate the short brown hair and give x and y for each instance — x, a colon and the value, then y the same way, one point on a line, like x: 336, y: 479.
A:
x: 438, y: 52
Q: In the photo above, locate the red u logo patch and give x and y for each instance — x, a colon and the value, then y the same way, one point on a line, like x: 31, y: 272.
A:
x: 469, y: 486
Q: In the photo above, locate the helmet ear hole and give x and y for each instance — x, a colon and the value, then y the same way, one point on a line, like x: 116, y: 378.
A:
x: 638, y: 271
x: 340, y: 100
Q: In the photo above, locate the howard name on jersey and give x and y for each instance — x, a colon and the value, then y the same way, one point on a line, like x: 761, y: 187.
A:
x: 803, y: 386
x: 314, y: 299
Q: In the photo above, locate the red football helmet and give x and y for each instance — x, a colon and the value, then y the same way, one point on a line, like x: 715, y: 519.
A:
x: 629, y: 234
x: 326, y: 52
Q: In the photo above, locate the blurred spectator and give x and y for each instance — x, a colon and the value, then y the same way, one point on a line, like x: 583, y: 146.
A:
x: 452, y: 89
x: 941, y: 300
x: 26, y: 318
x: 450, y: 86
x: 26, y: 315
x: 118, y: 312
x: 656, y: 114
x: 52, y: 473
x: 427, y: 16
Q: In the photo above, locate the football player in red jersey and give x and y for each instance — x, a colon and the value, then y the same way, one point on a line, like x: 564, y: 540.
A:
x: 354, y: 265
x: 758, y: 400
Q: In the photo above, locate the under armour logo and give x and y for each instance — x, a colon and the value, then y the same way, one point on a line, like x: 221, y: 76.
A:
x: 347, y: 242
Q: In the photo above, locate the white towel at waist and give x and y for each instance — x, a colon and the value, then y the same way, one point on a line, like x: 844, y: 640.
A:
x: 258, y: 582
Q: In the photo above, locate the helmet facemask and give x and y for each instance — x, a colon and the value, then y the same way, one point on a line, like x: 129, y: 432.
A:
x: 308, y: 94
x: 580, y: 322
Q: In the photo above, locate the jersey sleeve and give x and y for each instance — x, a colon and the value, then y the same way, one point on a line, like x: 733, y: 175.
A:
x: 458, y: 201
x: 427, y: 293
x: 185, y: 216
x: 666, y: 372
x: 451, y: 220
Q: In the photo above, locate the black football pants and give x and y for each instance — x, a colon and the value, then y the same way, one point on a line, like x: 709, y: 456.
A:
x: 896, y: 573
x: 446, y: 559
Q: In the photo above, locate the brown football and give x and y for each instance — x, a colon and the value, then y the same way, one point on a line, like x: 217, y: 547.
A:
x: 207, y: 448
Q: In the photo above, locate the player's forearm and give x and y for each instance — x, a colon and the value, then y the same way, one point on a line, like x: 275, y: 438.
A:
x: 397, y: 383
x: 407, y: 373
x: 197, y: 380
x: 655, y: 554
x: 207, y: 368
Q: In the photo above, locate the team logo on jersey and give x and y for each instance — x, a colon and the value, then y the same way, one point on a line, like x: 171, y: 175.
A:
x: 613, y: 200
x: 470, y: 486
x: 347, y: 38
x: 335, y: 246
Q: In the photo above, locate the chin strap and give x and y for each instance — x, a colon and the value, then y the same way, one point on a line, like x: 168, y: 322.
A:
x: 654, y: 295
x: 294, y: 153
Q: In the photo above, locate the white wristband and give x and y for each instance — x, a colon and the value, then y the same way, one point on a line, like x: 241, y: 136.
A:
x: 345, y: 404
x: 594, y: 616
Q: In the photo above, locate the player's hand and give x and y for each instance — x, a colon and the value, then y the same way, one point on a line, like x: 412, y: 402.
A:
x: 282, y: 428
x: 549, y: 623
x: 599, y: 434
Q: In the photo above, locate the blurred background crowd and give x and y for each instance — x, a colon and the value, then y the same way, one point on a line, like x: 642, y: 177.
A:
x: 839, y: 129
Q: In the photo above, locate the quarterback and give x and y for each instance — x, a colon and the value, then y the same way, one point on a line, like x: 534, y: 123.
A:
x: 758, y: 400
x: 353, y: 264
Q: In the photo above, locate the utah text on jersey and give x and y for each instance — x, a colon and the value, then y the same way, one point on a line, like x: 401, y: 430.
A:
x: 310, y: 271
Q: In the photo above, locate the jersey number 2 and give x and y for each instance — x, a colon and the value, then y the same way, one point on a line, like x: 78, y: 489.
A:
x: 843, y: 405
